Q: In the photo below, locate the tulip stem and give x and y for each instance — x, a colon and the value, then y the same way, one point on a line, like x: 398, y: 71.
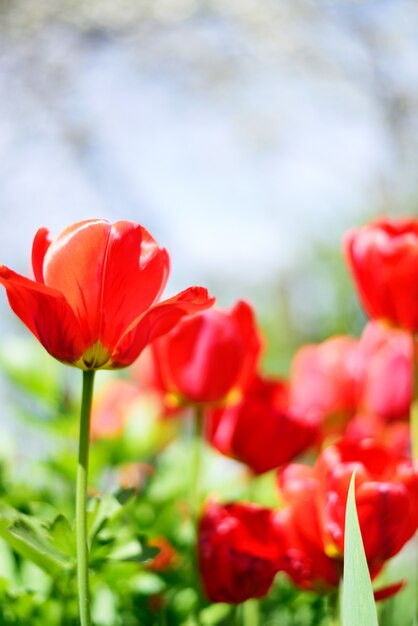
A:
x: 195, y: 487
x: 81, y: 500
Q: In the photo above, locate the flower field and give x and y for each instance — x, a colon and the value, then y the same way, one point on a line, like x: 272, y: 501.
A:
x: 187, y: 484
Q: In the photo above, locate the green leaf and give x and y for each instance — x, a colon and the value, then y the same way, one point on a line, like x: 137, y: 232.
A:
x: 358, y: 606
x: 32, y: 543
x: 123, y: 496
x: 147, y: 583
x: 137, y: 550
x: 102, y: 510
x: 62, y: 535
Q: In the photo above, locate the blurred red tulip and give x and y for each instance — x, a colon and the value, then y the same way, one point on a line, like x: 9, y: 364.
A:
x: 238, y: 551
x: 93, y: 301
x: 324, y: 380
x: 261, y: 431
x: 396, y: 434
x: 386, y: 371
x: 386, y: 498
x: 304, y: 561
x: 206, y: 357
x: 383, y: 259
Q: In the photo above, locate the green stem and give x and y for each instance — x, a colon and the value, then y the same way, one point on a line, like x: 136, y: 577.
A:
x: 414, y: 403
x: 196, y: 469
x: 81, y: 499
x: 250, y: 613
x: 195, y: 496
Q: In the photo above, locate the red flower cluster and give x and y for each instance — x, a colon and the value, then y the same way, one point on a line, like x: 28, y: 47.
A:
x: 94, y: 304
x: 386, y: 498
x: 345, y: 377
x: 362, y: 387
x: 243, y: 546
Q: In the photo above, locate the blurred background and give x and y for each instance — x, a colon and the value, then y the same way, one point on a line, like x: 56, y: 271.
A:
x: 246, y: 135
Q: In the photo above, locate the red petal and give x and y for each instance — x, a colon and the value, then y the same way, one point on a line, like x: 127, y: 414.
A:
x: 74, y: 265
x: 389, y: 591
x: 135, y: 275
x: 46, y: 313
x: 157, y: 321
x: 40, y: 246
x: 244, y: 316
x: 109, y: 274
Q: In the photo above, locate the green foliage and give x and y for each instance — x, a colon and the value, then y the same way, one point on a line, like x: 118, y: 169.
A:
x: 358, y: 606
x: 37, y: 545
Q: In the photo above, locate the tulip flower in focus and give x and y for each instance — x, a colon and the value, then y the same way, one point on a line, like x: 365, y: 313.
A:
x: 324, y: 380
x: 238, y: 551
x: 93, y: 303
x: 383, y: 260
x: 206, y: 357
x: 261, y: 430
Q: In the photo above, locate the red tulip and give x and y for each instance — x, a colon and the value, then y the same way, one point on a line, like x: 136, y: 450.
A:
x: 262, y: 431
x: 238, y: 551
x: 386, y: 371
x: 93, y: 301
x: 208, y: 355
x: 383, y: 259
x: 324, y: 379
x: 303, y: 560
x: 386, y: 497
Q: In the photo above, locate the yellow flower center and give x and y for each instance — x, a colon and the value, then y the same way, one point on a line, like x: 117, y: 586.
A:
x: 94, y: 358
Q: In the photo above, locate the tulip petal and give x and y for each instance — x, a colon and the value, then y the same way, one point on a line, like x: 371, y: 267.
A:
x: 135, y: 274
x: 110, y: 274
x: 157, y: 321
x: 40, y: 247
x: 389, y: 591
x: 73, y: 264
x: 46, y: 313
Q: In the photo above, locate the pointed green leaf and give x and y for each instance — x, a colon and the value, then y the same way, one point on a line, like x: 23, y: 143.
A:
x: 62, y: 535
x: 101, y: 511
x: 31, y: 543
x: 358, y: 606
